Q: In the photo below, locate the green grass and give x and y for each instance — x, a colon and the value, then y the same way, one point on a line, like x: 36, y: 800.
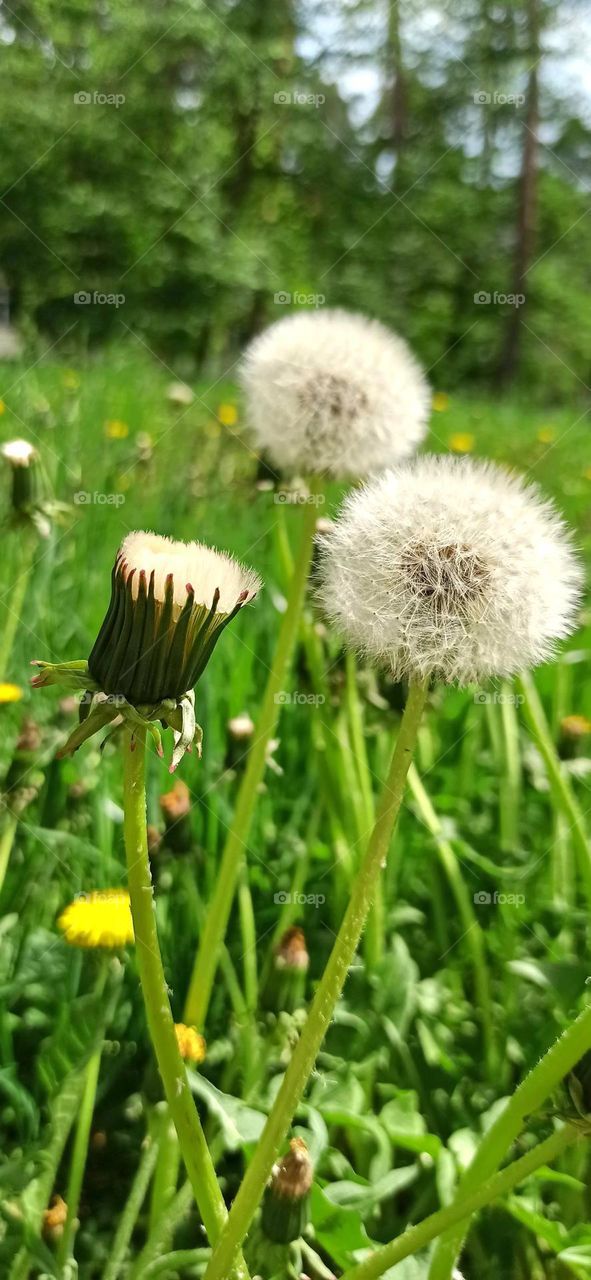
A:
x: 405, y: 1054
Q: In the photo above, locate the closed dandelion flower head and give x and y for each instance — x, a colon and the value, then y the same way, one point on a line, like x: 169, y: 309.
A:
x: 334, y: 392
x: 169, y: 604
x: 98, y: 919
x: 191, y: 1044
x: 451, y: 568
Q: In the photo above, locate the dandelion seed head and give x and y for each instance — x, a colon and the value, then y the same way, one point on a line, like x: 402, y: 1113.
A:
x: 192, y: 565
x: 452, y: 568
x: 334, y: 392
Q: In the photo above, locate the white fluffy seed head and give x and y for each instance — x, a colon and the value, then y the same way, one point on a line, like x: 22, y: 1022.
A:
x: 191, y: 564
x: 451, y: 568
x: 19, y: 453
x: 330, y: 391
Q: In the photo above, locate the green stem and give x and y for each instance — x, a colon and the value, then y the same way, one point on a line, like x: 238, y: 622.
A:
x: 159, y: 1239
x: 416, y: 1237
x: 471, y: 929
x: 510, y: 788
x: 16, y: 597
x: 562, y: 792
x: 6, y: 843
x: 79, y: 1153
x: 131, y: 1210
x: 528, y: 1097
x: 328, y: 992
x: 206, y: 962
x: 155, y: 991
x: 82, y: 1134
x: 167, y: 1165
x: 374, y: 935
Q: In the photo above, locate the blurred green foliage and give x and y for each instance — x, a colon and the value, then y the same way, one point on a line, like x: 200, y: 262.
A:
x: 151, y: 153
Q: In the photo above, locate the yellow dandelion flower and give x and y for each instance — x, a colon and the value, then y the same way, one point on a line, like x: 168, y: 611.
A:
x: 70, y: 380
x: 115, y: 429
x: 98, y: 919
x: 440, y: 401
x: 10, y: 692
x: 228, y: 415
x: 546, y: 435
x: 2, y: 407
x: 461, y: 442
x: 191, y: 1044
x: 575, y: 726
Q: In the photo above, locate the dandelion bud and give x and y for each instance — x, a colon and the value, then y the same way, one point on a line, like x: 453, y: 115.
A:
x: 575, y: 726
x: 291, y: 953
x: 54, y: 1219
x: 23, y: 460
x: 175, y: 806
x: 450, y: 568
x: 285, y: 1211
x: 169, y: 604
x: 334, y: 392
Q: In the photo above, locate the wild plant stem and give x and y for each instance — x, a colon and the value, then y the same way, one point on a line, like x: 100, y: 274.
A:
x: 131, y: 1209
x: 562, y: 792
x: 81, y: 1136
x: 528, y: 1097
x: 182, y: 1108
x: 206, y: 962
x: 328, y: 992
x: 510, y: 789
x: 13, y: 610
x: 6, y: 843
x: 416, y: 1237
x: 374, y: 934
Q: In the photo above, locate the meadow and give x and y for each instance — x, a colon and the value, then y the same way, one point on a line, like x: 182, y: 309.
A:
x: 474, y: 959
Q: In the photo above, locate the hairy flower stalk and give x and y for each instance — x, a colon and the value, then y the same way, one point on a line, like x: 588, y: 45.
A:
x: 442, y: 569
x: 170, y: 602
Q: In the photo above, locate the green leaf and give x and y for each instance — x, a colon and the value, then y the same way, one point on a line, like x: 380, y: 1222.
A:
x: 405, y: 1125
x: 239, y: 1123
x: 339, y: 1230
